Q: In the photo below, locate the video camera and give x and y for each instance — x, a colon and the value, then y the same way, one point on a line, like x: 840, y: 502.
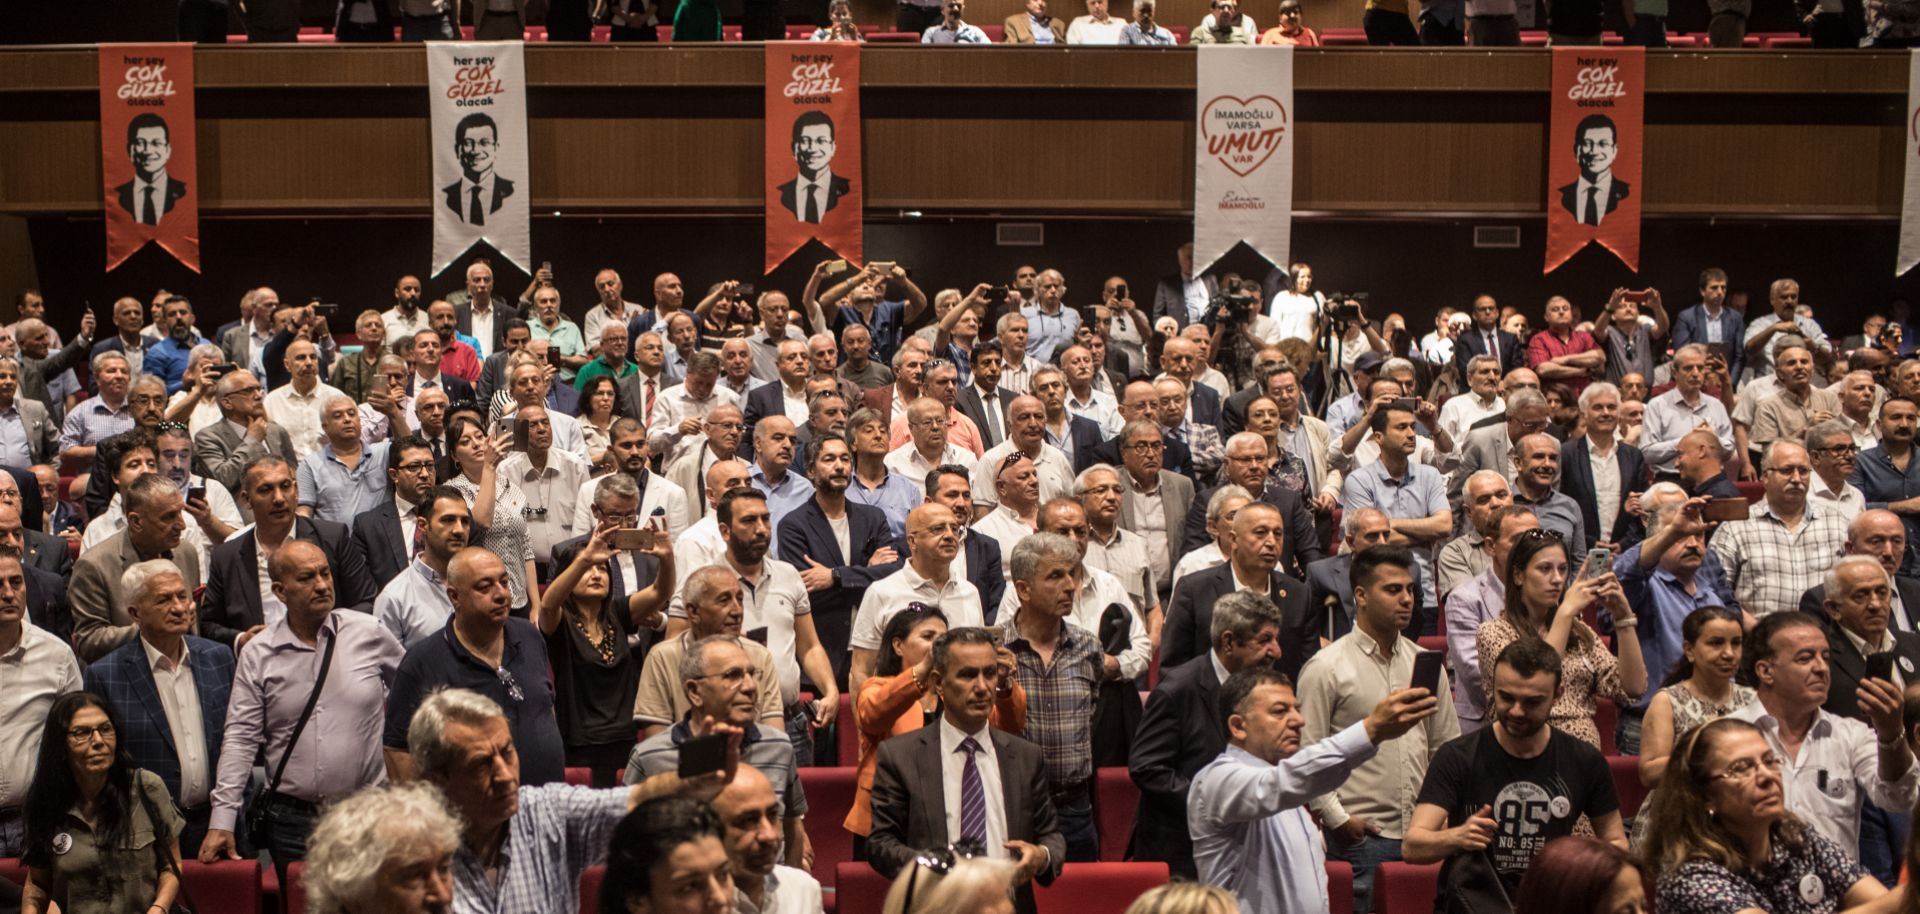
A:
x: 1345, y: 306
x: 1236, y: 301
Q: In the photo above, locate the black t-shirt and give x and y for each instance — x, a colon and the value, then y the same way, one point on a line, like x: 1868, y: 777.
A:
x: 1534, y: 800
x: 594, y: 694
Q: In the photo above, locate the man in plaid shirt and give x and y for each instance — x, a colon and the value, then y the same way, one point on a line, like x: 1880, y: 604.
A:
x: 1786, y: 545
x: 1061, y: 667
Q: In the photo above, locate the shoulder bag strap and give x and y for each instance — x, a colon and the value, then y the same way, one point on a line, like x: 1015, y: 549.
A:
x: 326, y: 662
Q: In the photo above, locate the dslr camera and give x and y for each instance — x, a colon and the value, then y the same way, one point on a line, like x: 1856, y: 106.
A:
x: 1345, y: 306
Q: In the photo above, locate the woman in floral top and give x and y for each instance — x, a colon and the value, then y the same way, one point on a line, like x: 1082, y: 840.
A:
x: 496, y: 502
x: 1542, y: 602
x: 1700, y: 690
x: 1722, y: 841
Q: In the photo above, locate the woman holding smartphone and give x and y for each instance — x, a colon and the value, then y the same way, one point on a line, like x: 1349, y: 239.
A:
x: 1544, y: 602
x: 495, y: 501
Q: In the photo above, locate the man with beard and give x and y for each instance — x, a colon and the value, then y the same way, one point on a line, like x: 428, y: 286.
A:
x: 1888, y: 475
x: 840, y: 547
x: 1510, y: 788
x: 659, y: 497
x: 415, y: 604
x: 459, y: 352
x: 405, y: 318
x: 167, y: 358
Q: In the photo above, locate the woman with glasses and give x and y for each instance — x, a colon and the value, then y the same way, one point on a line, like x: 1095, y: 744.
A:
x: 1292, y: 28
x: 596, y: 415
x: 1722, y: 840
x: 195, y: 402
x: 1699, y: 690
x: 496, y: 501
x: 103, y: 837
x: 898, y: 699
x: 1544, y: 600
x: 937, y: 883
x: 1285, y: 469
x: 595, y: 674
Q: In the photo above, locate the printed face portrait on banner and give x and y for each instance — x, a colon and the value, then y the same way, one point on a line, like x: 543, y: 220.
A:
x: 479, y: 192
x: 481, y: 195
x: 147, y: 150
x: 1593, y: 154
x: 812, y: 149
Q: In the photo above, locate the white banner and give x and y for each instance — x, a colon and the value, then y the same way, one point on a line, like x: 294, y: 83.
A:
x: 478, y: 92
x: 1910, y: 201
x: 1243, y: 153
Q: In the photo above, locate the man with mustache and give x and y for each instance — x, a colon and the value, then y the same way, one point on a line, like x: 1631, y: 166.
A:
x: 1773, y: 557
x: 714, y: 607
x: 1834, y: 761
x: 1665, y: 580
x: 1888, y: 476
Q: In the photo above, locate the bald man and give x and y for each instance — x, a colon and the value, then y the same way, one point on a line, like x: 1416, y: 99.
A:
x: 297, y: 405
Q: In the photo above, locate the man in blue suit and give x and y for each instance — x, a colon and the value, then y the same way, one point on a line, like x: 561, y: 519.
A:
x: 170, y: 690
x: 1712, y: 323
x: 836, y: 571
x: 1485, y: 331
x: 1600, y: 404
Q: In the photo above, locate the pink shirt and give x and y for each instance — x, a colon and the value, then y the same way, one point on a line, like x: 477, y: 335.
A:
x: 1545, y: 346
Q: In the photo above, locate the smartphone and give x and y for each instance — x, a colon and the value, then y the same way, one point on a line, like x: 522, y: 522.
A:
x: 546, y: 266
x: 553, y: 356
x: 325, y: 309
x: 883, y: 267
x: 197, y: 492
x: 1120, y: 292
x: 504, y: 425
x: 703, y: 755
x: 1717, y: 350
x: 838, y: 266
x: 1599, y: 562
x: 1880, y: 666
x: 1426, y: 670
x: 995, y: 294
x: 1725, y: 509
x: 224, y: 368
x: 633, y: 539
x: 1637, y: 297
x: 1408, y: 404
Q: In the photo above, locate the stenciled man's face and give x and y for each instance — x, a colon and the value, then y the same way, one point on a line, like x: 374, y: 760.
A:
x: 476, y: 151
x: 150, y: 151
x: 1595, y: 151
x: 813, y: 151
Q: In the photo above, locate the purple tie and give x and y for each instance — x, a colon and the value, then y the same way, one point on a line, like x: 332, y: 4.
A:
x: 973, y: 797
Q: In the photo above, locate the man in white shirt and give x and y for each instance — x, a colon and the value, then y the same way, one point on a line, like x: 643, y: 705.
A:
x: 1015, y: 514
x: 1481, y: 400
x: 1831, y: 446
x: 37, y: 668
x: 416, y: 604
x: 659, y: 497
x: 1096, y: 27
x: 933, y: 539
x: 679, y: 417
x: 296, y: 406
x: 1834, y: 761
x: 406, y: 317
x: 927, y: 446
x: 1026, y: 435
x: 551, y: 477
x: 612, y: 309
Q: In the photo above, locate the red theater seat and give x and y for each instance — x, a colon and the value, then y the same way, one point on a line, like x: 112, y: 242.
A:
x: 12, y: 870
x: 1180, y: 33
x: 1404, y: 888
x: 857, y: 888
x: 590, y: 888
x: 1098, y: 888
x: 1753, y: 491
x: 995, y: 33
x: 1788, y: 41
x: 230, y: 885
x: 1114, y: 801
x: 580, y: 777
x: 1339, y: 887
x: 1626, y: 783
x: 296, y: 893
x: 830, y: 793
x: 845, y: 734
x: 1606, y: 715
x: 1433, y: 643
x: 894, y: 38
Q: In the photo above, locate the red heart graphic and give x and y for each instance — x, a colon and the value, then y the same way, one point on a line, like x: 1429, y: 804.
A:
x: 1243, y: 133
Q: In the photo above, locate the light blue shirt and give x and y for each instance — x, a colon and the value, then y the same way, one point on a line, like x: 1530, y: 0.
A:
x: 965, y: 34
x: 1131, y: 34
x: 1470, y: 606
x: 339, y: 494
x: 782, y: 499
x: 1343, y: 413
x: 558, y: 832
x: 895, y: 497
x: 565, y: 338
x: 1049, y: 332
x: 1418, y: 494
x: 414, y: 605
x: 15, y: 450
x: 92, y: 422
x: 1252, y: 834
x: 1668, y: 418
x: 1661, y: 604
x: 168, y: 359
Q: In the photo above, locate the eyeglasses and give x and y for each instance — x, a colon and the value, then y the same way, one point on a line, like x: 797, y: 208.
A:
x: 1844, y: 450
x: 513, y: 685
x: 1539, y: 533
x: 733, y: 676
x: 149, y: 400
x: 1747, y: 769
x: 1147, y: 447
x: 418, y: 466
x: 81, y: 736
x: 1011, y: 460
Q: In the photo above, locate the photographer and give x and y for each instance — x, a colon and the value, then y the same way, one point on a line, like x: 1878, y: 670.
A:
x: 1239, y: 329
x: 1346, y: 315
x: 724, y: 314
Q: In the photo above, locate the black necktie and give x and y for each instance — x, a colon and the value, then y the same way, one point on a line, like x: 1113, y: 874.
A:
x: 813, y: 204
x: 475, y: 214
x: 146, y: 207
x: 1593, y: 205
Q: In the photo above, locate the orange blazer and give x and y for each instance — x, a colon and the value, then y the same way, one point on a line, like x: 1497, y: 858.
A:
x: 890, y: 706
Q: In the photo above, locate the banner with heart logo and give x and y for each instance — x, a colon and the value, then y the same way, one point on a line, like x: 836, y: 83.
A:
x: 147, y: 157
x: 1593, y: 153
x: 1243, y: 153
x: 1910, y: 201
x: 482, y: 190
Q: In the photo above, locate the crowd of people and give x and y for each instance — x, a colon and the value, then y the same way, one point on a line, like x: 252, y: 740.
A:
x: 1440, y: 23
x: 364, y: 600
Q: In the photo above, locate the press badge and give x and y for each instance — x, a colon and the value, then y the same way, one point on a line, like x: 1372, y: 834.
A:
x: 1811, y: 889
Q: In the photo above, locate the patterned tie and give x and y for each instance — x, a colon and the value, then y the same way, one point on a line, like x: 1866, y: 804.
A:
x: 1493, y: 346
x: 1593, y: 206
x: 973, y: 796
x: 475, y: 214
x: 146, y: 209
x: 419, y: 534
x: 647, y: 417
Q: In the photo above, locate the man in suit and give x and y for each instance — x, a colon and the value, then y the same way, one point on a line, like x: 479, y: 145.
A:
x: 493, y: 371
x: 815, y: 189
x: 156, y: 516
x: 1246, y: 467
x: 1180, y: 359
x: 128, y: 317
x: 1486, y: 338
x: 221, y: 450
x: 243, y: 342
x: 1182, y: 295
x: 1034, y: 26
x: 38, y: 549
x: 1075, y: 435
x: 483, y: 316
x: 1145, y: 487
x: 480, y: 192
x: 982, y: 400
x: 1880, y: 535
x: 1253, y: 554
x: 41, y: 436
x: 908, y: 364
x: 910, y: 809
x: 151, y: 195
x: 169, y: 689
x: 1592, y: 197
x: 425, y: 360
x: 383, y: 536
x: 835, y: 577
x: 233, y: 607
x: 1600, y: 404
x: 1712, y: 323
x: 638, y: 394
x: 1329, y: 586
x: 1181, y: 730
x: 46, y: 589
x: 1138, y: 400
x: 1491, y: 447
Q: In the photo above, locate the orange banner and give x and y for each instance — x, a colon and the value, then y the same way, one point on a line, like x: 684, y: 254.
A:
x: 1593, y: 152
x: 813, y: 148
x: 149, y: 189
